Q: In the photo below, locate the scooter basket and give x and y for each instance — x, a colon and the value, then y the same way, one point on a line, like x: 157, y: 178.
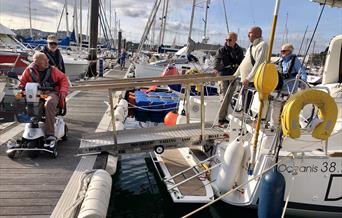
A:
x: 26, y: 110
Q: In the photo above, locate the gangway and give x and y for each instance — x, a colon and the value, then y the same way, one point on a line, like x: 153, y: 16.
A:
x: 156, y: 138
x: 147, y: 139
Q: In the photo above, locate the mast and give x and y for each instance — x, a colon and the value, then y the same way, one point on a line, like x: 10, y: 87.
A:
x: 225, y: 15
x: 60, y: 19
x: 94, y: 15
x: 115, y: 30
x: 149, y: 24
x: 164, y: 23
x: 312, y: 56
x: 110, y: 16
x: 205, y: 37
x: 153, y: 33
x: 66, y: 17
x: 88, y: 21
x: 75, y: 23
x: 30, y: 19
x: 284, y: 40
x: 81, y: 24
x: 192, y: 18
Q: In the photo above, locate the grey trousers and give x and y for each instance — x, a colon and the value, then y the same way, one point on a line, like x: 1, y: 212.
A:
x: 223, y: 88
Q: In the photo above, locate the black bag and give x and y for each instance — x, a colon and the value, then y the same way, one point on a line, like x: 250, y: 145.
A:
x: 280, y: 81
x: 282, y: 76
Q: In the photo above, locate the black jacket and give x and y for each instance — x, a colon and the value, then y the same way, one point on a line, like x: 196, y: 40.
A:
x: 55, y: 58
x: 228, y: 59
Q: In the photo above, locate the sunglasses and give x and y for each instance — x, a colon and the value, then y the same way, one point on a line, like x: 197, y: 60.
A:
x: 52, y: 43
x: 229, y: 40
x: 283, y: 51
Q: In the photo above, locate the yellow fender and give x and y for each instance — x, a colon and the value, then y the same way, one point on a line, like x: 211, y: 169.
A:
x: 327, y: 112
x: 266, y: 79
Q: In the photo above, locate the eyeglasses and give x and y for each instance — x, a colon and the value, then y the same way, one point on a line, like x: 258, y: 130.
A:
x: 52, y: 43
x: 229, y: 40
x: 283, y: 51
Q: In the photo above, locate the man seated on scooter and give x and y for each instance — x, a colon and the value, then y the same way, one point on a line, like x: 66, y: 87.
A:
x: 49, y: 78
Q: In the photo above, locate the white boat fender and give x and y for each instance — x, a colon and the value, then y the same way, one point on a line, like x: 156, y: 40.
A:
x: 119, y: 114
x: 97, y: 198
x: 124, y: 104
x: 181, y: 119
x: 231, y: 165
x: 119, y: 125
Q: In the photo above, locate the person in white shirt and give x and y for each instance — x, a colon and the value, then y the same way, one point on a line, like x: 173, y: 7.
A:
x: 255, y: 55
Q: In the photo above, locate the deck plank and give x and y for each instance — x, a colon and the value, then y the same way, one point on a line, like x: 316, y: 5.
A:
x: 176, y: 163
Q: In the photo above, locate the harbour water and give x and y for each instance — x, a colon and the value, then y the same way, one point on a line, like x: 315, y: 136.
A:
x: 137, y: 192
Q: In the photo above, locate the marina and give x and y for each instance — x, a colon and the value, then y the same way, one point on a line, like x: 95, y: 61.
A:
x: 96, y: 126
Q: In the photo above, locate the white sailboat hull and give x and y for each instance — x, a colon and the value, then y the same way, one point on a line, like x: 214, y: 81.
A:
x: 75, y: 68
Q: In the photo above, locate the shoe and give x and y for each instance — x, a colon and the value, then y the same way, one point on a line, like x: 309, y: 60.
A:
x: 222, y: 122
x: 50, y: 141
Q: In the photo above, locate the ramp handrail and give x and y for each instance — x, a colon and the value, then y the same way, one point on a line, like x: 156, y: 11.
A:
x: 189, y: 168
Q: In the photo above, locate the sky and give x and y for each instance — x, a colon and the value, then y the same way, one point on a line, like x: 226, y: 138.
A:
x: 241, y: 15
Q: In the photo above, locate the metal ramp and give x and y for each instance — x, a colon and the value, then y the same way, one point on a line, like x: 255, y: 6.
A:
x: 147, y: 139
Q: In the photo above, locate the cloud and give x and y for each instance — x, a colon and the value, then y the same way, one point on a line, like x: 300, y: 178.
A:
x: 39, y: 8
x: 133, y: 12
x: 133, y: 15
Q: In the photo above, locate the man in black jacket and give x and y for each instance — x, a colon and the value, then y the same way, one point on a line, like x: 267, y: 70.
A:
x: 227, y: 60
x: 52, y: 52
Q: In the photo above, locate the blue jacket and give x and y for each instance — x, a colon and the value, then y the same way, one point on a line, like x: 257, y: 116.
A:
x: 283, y: 67
x: 284, y: 64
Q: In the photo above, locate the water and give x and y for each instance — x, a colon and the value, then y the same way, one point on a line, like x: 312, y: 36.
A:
x: 138, y: 192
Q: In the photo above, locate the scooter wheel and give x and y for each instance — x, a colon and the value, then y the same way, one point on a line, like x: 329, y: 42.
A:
x: 32, y: 144
x: 159, y: 149
x: 65, y: 137
x: 11, y: 154
x: 55, y: 153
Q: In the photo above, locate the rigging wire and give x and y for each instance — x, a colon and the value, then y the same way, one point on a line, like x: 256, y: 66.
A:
x: 314, y: 32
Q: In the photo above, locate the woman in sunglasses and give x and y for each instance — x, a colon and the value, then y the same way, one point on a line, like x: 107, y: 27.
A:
x: 290, y: 67
x: 52, y: 52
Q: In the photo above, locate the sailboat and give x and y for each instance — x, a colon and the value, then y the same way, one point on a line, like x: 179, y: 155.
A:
x: 297, y: 174
x: 13, y: 54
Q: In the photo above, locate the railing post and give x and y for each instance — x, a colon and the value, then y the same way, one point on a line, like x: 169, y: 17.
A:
x: 202, y: 111
x: 187, y: 102
x: 110, y: 95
